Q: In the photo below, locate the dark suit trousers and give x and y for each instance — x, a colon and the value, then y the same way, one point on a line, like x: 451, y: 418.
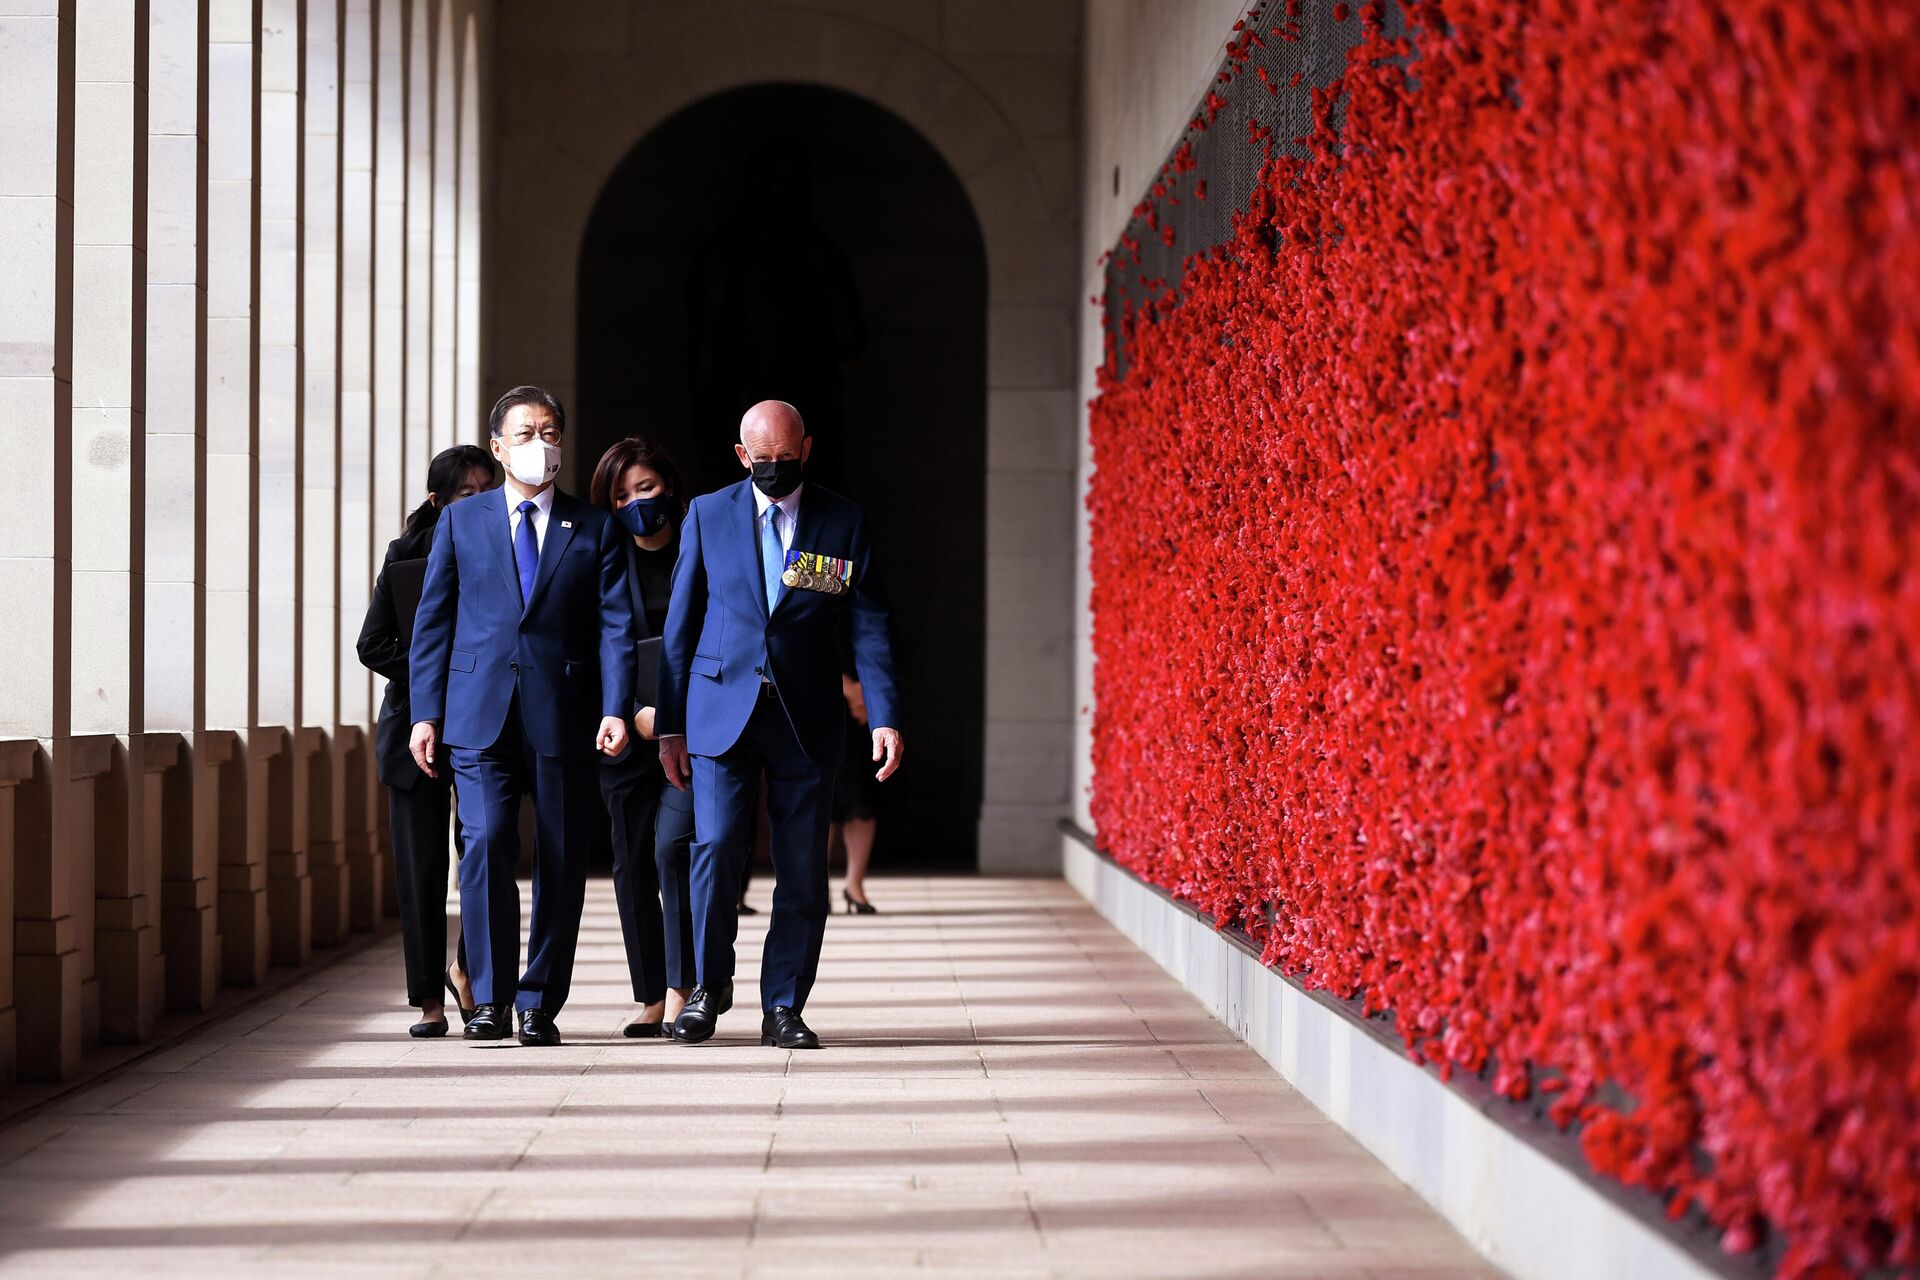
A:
x: 418, y: 821
x: 673, y: 856
x: 565, y: 793
x: 726, y: 794
x: 631, y: 790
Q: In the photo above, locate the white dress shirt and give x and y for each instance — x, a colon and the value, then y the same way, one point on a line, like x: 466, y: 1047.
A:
x: 789, y: 515
x: 542, y: 509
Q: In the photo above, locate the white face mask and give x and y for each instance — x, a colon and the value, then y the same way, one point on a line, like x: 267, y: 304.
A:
x: 534, y: 463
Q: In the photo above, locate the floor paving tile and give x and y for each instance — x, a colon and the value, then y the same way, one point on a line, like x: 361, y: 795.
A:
x: 1009, y: 1090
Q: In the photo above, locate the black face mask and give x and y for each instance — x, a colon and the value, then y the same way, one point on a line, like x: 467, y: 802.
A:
x: 777, y: 477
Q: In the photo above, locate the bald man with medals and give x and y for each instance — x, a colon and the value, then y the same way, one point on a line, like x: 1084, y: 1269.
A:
x: 770, y: 572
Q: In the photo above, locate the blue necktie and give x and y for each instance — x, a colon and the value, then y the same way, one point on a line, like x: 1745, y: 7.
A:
x: 772, y: 558
x: 526, y: 552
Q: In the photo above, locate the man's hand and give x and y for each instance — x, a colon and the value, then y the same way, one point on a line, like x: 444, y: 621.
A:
x: 674, y: 761
x: 612, y: 738
x: 426, y: 741
x: 888, y: 743
x: 643, y: 722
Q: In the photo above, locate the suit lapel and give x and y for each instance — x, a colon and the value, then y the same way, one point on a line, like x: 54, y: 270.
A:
x: 560, y: 528
x: 748, y: 522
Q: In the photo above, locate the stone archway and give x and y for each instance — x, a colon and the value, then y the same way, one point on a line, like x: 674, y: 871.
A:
x: 594, y: 88
x: 869, y: 312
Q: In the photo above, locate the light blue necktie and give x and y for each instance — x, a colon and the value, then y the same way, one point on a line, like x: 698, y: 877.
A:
x: 526, y: 552
x: 772, y: 558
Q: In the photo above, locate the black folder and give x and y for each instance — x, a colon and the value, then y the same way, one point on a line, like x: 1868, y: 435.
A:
x: 646, y: 674
x: 404, y: 580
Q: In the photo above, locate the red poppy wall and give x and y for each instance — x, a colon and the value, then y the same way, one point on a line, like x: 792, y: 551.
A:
x: 1505, y: 590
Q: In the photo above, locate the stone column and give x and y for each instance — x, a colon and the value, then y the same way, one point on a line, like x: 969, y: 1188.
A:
x: 242, y: 800
x: 128, y: 932
x: 109, y: 469
x: 418, y: 324
x: 176, y: 484
x: 468, y: 403
x: 232, y: 507
x: 46, y: 957
x: 321, y: 602
x: 446, y: 173
x: 361, y: 544
x: 279, y: 521
x: 388, y: 408
x: 36, y: 429
x: 90, y: 817
x: 229, y: 911
x: 23, y: 785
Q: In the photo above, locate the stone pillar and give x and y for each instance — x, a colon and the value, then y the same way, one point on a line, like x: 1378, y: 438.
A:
x: 189, y: 870
x: 56, y: 988
x: 232, y: 501
x: 387, y: 410
x: 359, y: 547
x: 279, y: 518
x: 361, y: 815
x: 320, y: 600
x: 193, y: 874
x: 418, y: 323
x: 127, y: 934
x: 467, y: 408
x: 175, y: 489
x: 325, y: 844
x: 446, y: 174
x: 36, y: 429
x: 23, y: 818
x: 274, y: 837
x: 239, y: 802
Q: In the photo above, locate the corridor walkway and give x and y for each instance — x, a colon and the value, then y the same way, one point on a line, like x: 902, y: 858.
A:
x: 1009, y: 1089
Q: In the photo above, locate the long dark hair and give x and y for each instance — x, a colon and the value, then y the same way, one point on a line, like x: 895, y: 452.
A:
x: 445, y: 474
x: 635, y: 451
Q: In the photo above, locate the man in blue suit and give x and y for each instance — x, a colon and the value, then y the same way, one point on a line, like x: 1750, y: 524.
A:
x: 769, y: 571
x: 522, y: 662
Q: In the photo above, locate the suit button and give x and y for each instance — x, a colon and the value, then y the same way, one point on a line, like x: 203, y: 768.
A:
x: 513, y: 666
x: 759, y: 671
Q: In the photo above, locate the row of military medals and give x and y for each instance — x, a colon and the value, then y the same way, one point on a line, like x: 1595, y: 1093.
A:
x: 810, y: 571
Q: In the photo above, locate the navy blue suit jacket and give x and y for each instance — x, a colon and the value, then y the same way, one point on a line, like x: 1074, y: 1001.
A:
x: 719, y: 634
x: 568, y: 652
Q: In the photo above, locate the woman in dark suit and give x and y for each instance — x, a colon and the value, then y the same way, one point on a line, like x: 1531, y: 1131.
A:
x: 418, y: 807
x: 652, y: 823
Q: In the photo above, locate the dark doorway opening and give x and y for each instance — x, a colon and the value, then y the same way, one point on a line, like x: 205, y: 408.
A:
x: 800, y: 243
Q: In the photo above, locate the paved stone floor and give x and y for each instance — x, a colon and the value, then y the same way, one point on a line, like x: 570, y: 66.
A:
x: 1009, y: 1089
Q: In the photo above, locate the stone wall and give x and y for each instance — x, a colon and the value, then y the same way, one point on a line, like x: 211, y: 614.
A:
x: 1147, y: 66
x: 239, y: 248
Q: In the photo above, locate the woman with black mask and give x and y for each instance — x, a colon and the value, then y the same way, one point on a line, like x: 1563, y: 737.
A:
x: 652, y: 823
x: 418, y: 806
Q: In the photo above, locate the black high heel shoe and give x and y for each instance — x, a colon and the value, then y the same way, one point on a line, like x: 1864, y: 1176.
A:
x: 857, y: 907
x: 466, y: 1014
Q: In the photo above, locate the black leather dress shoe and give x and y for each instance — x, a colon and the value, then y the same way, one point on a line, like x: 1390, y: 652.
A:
x: 489, y: 1022
x: 783, y: 1029
x: 536, y: 1028
x: 427, y: 1029
x: 702, y: 1014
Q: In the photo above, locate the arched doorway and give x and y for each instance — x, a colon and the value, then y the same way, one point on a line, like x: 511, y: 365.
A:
x: 800, y: 242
